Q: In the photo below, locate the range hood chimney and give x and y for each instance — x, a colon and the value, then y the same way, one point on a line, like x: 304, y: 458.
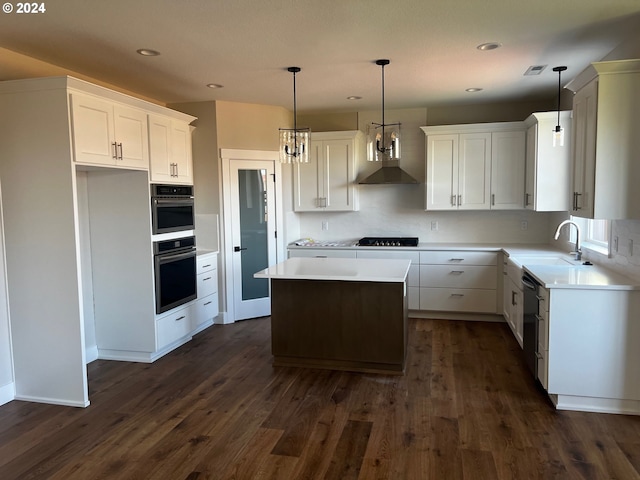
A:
x: 384, y: 147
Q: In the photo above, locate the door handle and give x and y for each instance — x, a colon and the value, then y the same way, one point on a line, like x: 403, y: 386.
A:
x: 237, y: 249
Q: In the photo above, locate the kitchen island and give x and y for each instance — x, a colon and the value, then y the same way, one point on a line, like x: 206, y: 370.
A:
x: 339, y: 313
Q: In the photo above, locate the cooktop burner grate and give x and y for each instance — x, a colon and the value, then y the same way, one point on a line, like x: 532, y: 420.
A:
x: 388, y: 242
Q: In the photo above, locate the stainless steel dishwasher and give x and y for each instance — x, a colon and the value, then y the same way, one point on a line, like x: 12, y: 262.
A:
x: 530, y: 322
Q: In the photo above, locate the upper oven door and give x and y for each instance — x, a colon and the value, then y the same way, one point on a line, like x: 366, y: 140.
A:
x: 172, y: 214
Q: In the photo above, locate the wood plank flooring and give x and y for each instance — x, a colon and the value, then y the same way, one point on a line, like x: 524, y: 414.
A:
x: 217, y: 409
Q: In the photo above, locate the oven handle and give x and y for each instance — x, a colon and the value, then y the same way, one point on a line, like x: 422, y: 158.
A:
x: 527, y: 283
x: 164, y: 258
x: 170, y: 200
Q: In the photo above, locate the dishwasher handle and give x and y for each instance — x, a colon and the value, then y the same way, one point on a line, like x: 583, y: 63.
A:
x: 529, y: 284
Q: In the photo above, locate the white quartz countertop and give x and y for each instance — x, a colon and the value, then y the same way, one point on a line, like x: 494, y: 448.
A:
x: 342, y: 269
x: 580, y: 276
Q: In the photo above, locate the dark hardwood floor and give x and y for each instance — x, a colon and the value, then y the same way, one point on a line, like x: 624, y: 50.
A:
x: 217, y: 409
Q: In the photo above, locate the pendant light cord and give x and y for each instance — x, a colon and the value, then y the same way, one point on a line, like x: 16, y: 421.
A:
x: 559, y: 90
x: 295, y: 118
x: 383, y: 125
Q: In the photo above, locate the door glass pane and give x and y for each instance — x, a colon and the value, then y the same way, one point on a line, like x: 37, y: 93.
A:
x: 253, y: 232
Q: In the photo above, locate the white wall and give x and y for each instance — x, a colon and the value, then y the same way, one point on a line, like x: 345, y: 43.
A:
x: 7, y: 389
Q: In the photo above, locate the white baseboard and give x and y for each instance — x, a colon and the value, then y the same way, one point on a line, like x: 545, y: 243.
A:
x: 91, y: 353
x: 53, y: 401
x: 596, y: 405
x: 7, y: 393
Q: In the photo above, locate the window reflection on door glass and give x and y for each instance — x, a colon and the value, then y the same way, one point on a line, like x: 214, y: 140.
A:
x: 253, y: 232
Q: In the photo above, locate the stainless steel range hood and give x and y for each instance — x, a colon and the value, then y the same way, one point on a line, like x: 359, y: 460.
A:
x: 389, y: 174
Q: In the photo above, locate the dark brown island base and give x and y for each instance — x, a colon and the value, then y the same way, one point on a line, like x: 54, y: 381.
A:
x: 342, y: 314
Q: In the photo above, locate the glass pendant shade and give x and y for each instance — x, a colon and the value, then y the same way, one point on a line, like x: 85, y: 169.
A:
x: 294, y: 142
x: 558, y: 136
x: 294, y: 145
x: 383, y: 143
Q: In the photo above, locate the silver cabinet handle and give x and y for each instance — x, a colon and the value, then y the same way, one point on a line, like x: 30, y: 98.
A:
x: 493, y: 199
x: 453, y: 200
x: 180, y: 318
x: 205, y: 266
x: 120, y: 151
x: 459, y: 200
x: 205, y: 279
x: 208, y: 303
x: 456, y: 259
x: 526, y: 199
x: 513, y: 298
x: 457, y: 295
x: 115, y: 150
x: 457, y: 272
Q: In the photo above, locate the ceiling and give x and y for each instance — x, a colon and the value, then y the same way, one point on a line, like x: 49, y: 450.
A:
x: 247, y: 45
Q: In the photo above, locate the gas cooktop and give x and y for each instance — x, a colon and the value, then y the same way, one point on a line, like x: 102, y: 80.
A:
x: 388, y: 242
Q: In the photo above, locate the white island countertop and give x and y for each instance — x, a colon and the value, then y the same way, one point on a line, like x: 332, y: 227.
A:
x: 341, y: 269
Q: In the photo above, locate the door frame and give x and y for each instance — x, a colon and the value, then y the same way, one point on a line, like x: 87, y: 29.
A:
x: 227, y: 155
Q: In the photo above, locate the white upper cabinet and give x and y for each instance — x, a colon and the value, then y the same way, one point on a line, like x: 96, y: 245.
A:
x: 107, y: 133
x: 170, y: 150
x: 327, y: 181
x: 548, y: 168
x: 475, y: 167
x: 605, y: 141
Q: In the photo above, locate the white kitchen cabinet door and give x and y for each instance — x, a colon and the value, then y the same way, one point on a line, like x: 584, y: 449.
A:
x: 109, y: 134
x: 458, y: 171
x: 474, y: 171
x: 327, y: 182
x: 170, y: 151
x: 547, y: 168
x: 507, y: 170
x: 442, y: 172
x: 131, y: 136
x: 585, y: 111
x: 92, y: 130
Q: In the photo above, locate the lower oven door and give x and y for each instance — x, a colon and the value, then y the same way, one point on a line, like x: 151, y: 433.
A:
x: 175, y: 280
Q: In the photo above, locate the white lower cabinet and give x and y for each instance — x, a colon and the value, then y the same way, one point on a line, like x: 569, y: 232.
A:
x: 458, y: 281
x: 171, y: 328
x: 205, y: 308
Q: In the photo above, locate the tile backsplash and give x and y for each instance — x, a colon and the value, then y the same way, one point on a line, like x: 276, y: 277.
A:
x: 626, y: 260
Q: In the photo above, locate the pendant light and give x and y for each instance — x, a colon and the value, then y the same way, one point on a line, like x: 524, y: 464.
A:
x: 384, y: 138
x: 294, y: 142
x: 558, y: 132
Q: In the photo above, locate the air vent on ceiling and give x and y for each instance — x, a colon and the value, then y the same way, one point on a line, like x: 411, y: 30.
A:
x: 535, y: 69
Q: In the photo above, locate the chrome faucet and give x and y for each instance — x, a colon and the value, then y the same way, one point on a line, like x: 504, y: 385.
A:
x: 578, y: 251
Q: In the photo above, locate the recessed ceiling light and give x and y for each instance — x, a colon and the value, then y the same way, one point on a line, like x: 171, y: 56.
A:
x: 473, y: 89
x: 147, y: 52
x: 354, y: 97
x: 489, y: 46
x: 214, y: 85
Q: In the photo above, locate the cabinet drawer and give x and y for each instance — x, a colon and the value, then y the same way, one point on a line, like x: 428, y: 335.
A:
x: 457, y: 276
x: 402, y: 255
x: 458, y: 257
x: 322, y: 253
x: 204, y: 309
x: 205, y: 263
x: 458, y: 300
x: 207, y: 283
x: 172, y: 327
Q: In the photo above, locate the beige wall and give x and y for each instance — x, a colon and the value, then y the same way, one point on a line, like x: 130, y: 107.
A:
x: 250, y: 127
